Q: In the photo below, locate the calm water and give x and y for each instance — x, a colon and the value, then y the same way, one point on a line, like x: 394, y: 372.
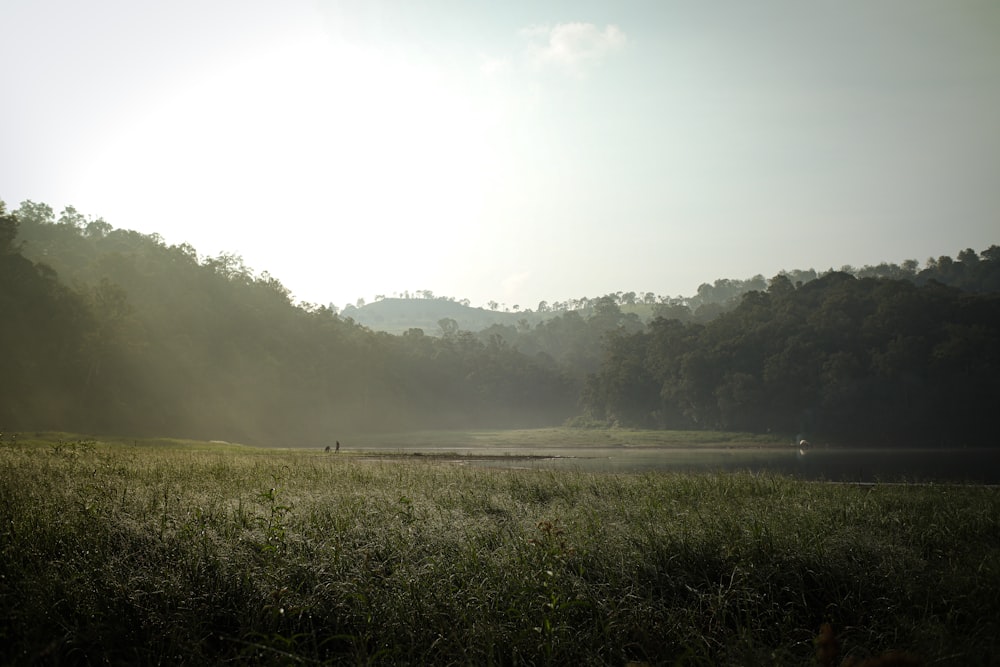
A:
x: 840, y: 465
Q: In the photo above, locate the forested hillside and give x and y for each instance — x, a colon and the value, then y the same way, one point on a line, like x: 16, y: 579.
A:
x: 433, y: 314
x: 111, y: 331
x: 870, y: 360
x: 131, y: 336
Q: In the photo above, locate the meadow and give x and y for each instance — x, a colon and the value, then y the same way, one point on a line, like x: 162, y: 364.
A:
x: 171, y: 552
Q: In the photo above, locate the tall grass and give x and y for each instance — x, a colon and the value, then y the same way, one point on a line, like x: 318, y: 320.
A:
x: 120, y: 554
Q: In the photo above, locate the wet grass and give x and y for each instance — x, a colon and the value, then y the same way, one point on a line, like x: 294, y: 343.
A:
x: 181, y: 553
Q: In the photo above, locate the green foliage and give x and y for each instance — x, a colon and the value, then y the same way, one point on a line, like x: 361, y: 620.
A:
x: 43, y: 331
x: 866, y: 360
x: 152, y: 340
x: 140, y: 555
x: 8, y: 230
x: 108, y: 330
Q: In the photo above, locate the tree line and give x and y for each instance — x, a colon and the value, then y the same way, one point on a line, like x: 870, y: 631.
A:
x: 710, y: 300
x: 111, y: 331
x: 864, y: 360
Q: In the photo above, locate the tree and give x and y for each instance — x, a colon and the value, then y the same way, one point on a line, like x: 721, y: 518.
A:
x: 672, y: 311
x: 449, y: 327
x: 968, y: 256
x: 230, y: 266
x: 72, y: 218
x: 606, y: 310
x: 8, y: 230
x: 780, y: 285
x: 37, y: 214
x: 44, y: 328
x: 99, y: 229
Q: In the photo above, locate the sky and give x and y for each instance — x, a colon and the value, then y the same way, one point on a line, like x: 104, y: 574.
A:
x: 512, y: 151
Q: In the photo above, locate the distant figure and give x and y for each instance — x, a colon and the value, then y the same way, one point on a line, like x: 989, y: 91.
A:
x: 338, y: 446
x: 327, y: 450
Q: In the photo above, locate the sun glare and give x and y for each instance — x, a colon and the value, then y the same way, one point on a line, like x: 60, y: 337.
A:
x: 388, y: 159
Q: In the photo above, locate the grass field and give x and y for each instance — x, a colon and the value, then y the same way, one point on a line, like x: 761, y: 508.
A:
x: 175, y: 552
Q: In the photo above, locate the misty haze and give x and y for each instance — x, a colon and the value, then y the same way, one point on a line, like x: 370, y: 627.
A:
x: 376, y: 333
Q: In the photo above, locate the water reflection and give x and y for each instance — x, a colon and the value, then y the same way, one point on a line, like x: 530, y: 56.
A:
x: 842, y: 465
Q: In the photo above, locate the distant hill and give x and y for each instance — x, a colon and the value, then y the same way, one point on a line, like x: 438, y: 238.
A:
x: 970, y: 272
x: 397, y: 316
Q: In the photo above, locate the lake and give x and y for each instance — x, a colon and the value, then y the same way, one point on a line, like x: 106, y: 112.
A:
x: 974, y: 465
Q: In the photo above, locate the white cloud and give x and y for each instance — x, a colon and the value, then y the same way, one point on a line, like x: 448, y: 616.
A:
x: 571, y: 46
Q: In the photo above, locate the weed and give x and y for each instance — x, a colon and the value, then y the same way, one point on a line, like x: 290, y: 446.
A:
x: 273, y: 521
x: 180, y: 554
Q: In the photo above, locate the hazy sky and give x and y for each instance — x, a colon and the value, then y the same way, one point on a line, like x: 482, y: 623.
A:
x: 514, y: 150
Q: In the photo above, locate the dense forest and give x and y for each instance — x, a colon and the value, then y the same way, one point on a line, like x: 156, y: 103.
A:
x: 111, y: 331
x: 117, y: 332
x: 870, y: 360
